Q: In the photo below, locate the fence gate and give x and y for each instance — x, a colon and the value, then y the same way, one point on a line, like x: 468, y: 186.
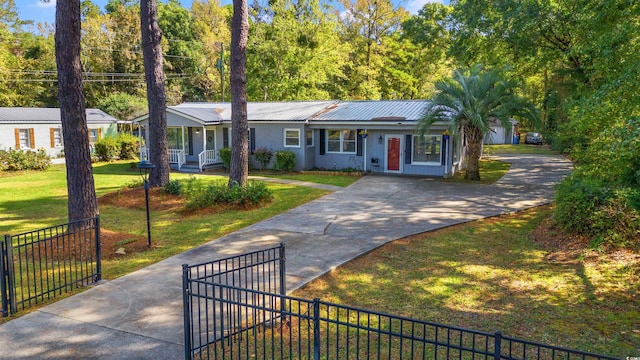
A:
x: 39, y: 265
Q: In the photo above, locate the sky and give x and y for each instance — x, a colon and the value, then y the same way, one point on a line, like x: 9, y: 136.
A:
x: 40, y: 11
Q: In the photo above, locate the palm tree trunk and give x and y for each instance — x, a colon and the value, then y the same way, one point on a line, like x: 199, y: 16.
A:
x: 474, y: 151
x: 82, y: 202
x: 240, y: 145
x: 154, y: 75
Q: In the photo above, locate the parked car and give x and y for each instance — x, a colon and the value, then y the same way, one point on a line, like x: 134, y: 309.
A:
x: 533, y: 138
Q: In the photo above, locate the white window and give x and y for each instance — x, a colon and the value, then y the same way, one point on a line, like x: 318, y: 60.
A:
x: 57, y: 137
x: 211, y: 139
x: 341, y: 141
x: 427, y: 149
x: 25, y: 139
x: 93, y: 135
x: 309, y: 137
x: 175, y: 139
x: 291, y: 137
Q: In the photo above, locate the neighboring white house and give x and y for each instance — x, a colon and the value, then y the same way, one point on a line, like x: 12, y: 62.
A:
x: 375, y: 136
x: 498, y: 134
x: 41, y: 128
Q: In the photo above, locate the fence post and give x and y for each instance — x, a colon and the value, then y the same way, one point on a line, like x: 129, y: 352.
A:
x: 13, y: 308
x: 316, y: 329
x: 3, y: 281
x: 497, y: 346
x: 98, y: 275
x: 186, y: 311
x: 283, y: 282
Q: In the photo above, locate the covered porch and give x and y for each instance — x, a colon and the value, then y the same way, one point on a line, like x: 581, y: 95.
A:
x: 189, y: 146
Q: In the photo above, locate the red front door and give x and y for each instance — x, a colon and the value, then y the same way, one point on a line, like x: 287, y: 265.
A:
x: 393, y: 154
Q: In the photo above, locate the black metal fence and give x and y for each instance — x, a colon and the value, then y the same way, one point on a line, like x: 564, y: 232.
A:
x: 237, y: 318
x: 39, y: 265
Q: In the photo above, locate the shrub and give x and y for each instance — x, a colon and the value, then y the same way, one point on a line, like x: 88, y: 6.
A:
x: 576, y: 201
x: 285, y: 160
x: 128, y: 146
x: 106, y: 149
x: 199, y: 196
x: 225, y: 156
x: 601, y: 198
x: 263, y: 156
x: 173, y: 187
x: 16, y: 160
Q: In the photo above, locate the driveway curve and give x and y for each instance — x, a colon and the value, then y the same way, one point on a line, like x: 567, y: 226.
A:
x: 139, y: 316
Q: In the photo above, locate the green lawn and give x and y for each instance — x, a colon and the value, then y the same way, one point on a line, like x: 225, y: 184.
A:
x: 336, y: 180
x: 489, y: 275
x: 518, y: 149
x: 490, y: 172
x: 31, y: 200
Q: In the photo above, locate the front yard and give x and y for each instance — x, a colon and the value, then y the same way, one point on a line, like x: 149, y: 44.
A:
x: 32, y: 200
x: 514, y: 273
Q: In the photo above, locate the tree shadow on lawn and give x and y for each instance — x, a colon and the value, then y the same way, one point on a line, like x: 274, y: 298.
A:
x: 489, y: 275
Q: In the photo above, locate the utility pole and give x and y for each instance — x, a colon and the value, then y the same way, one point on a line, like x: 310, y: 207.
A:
x: 220, y: 66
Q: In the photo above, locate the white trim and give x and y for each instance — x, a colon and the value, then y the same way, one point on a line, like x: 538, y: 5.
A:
x: 97, y: 135
x: 355, y: 142
x: 26, y: 138
x: 60, y: 144
x: 285, y: 138
x: 400, y: 155
x: 206, y: 136
x: 305, y: 138
x: 425, y: 163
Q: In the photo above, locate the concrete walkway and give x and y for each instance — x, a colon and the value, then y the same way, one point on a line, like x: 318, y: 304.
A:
x: 139, y: 316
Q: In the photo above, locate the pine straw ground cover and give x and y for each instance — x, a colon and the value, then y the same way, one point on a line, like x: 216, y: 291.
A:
x: 513, y: 273
x: 31, y: 200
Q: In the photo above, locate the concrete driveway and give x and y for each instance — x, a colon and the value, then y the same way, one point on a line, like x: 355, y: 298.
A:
x: 139, y: 316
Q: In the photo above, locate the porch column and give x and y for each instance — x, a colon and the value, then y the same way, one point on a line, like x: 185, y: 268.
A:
x: 204, y: 138
x: 182, y: 129
x: 140, y: 140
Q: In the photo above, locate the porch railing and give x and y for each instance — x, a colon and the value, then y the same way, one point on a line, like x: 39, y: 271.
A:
x: 208, y: 157
x: 177, y: 156
x: 144, y: 154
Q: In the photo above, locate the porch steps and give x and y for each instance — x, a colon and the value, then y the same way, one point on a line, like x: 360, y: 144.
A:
x: 189, y: 167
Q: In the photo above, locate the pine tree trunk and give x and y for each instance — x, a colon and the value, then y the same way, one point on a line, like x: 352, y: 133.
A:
x: 154, y: 75
x: 474, y: 151
x: 240, y: 144
x: 82, y: 202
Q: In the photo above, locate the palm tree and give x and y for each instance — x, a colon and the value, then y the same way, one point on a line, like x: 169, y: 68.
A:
x: 469, y: 103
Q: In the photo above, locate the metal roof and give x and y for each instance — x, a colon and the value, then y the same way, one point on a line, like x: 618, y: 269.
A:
x: 9, y: 115
x: 374, y: 110
x: 256, y: 111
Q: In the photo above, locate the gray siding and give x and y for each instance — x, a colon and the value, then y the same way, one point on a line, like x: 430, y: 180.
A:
x: 374, y: 151
x: 271, y: 136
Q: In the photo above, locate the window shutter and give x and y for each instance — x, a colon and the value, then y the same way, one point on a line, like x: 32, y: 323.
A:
x: 225, y: 137
x: 51, y: 137
x: 407, y: 149
x: 443, y: 150
x: 252, y: 140
x: 32, y: 140
x: 17, y: 139
x: 323, y: 144
x: 359, y: 142
x: 99, y: 133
